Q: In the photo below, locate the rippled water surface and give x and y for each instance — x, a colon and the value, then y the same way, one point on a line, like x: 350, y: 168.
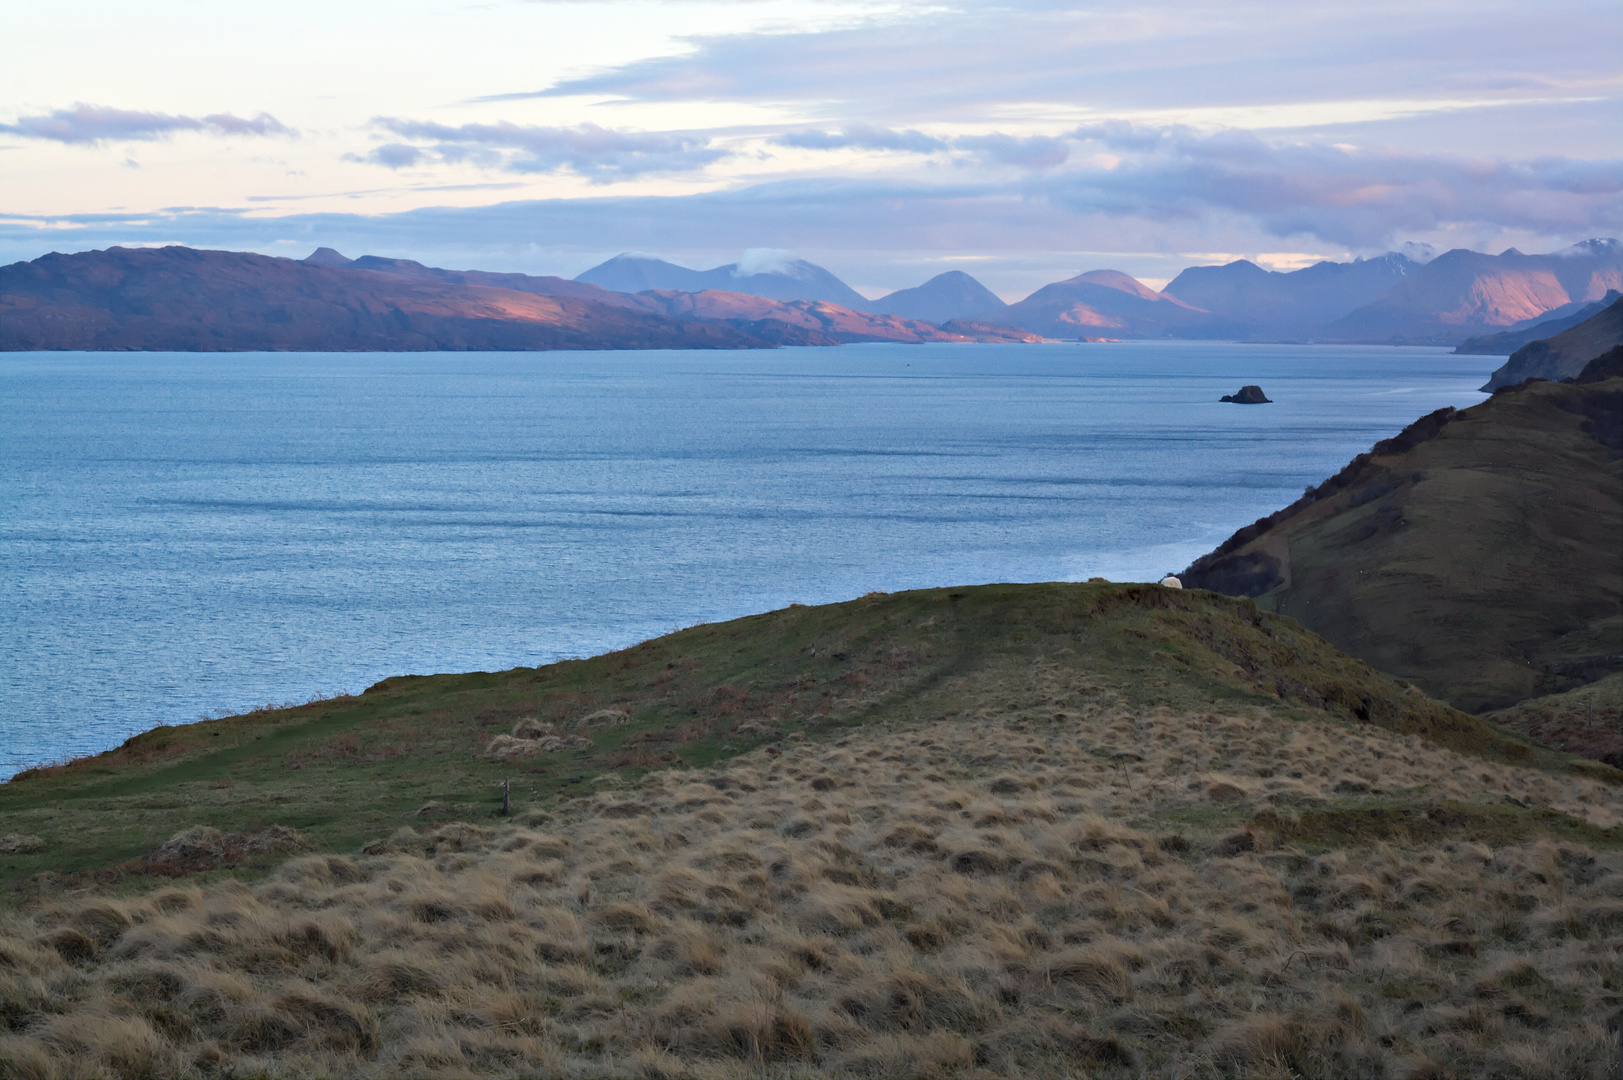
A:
x: 191, y: 533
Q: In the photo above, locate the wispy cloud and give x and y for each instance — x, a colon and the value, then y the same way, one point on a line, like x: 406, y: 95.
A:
x: 598, y: 153
x: 94, y: 124
x: 863, y: 137
x: 1028, y: 152
x: 1339, y: 194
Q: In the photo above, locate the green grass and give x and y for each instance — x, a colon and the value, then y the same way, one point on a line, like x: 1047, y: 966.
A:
x: 410, y: 751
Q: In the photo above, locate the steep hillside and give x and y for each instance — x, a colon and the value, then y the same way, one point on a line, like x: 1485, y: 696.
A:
x: 998, y: 831
x: 1506, y: 342
x: 1587, y: 720
x: 1564, y: 355
x: 1286, y: 304
x: 1479, y: 554
x: 953, y: 295
x: 183, y: 299
x: 1110, y: 304
x: 1462, y: 294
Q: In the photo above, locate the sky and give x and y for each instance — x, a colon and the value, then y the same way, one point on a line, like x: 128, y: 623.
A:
x: 887, y: 140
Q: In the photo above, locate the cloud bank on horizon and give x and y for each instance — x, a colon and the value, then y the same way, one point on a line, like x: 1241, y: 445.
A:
x: 887, y: 139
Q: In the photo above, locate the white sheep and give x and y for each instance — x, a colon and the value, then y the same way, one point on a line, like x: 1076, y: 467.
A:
x: 1171, y: 582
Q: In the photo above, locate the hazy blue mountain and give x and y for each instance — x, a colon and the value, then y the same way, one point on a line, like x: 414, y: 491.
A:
x: 771, y: 275
x: 1292, y: 303
x: 326, y: 256
x: 1110, y: 304
x: 639, y: 273
x: 953, y: 295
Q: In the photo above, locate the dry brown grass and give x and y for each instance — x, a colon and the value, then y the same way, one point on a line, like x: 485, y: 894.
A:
x: 1042, y: 890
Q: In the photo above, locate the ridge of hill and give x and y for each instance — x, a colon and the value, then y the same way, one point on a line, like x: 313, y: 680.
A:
x: 948, y: 296
x: 1108, y: 303
x: 1479, y: 553
x: 1544, y: 326
x: 184, y: 299
x: 1008, y: 829
x: 1565, y: 355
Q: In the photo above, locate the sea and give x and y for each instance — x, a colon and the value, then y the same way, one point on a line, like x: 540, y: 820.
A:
x: 188, y: 535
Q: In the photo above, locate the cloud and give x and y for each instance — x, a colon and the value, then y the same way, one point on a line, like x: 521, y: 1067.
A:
x: 863, y: 137
x: 973, y: 63
x: 94, y: 124
x: 1030, y: 152
x: 1027, y: 152
x: 1336, y: 193
x: 599, y: 153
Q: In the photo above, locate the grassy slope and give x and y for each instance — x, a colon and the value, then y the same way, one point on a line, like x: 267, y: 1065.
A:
x: 1587, y: 720
x: 349, y: 769
x: 1490, y: 571
x: 1012, y: 830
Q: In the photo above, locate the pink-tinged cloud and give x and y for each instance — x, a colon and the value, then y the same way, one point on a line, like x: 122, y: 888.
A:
x: 94, y: 124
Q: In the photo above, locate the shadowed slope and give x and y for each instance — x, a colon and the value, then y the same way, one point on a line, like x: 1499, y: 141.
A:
x: 1479, y: 554
x: 1564, y: 355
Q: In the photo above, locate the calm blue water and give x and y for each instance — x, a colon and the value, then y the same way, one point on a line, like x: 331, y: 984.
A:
x: 184, y: 534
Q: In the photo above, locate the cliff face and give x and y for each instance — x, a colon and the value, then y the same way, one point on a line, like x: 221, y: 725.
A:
x: 1479, y: 554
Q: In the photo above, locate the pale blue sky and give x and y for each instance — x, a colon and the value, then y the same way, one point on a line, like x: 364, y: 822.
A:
x: 1022, y: 141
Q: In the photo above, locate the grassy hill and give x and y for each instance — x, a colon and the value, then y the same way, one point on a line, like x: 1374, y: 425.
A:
x: 1479, y: 554
x: 1034, y: 830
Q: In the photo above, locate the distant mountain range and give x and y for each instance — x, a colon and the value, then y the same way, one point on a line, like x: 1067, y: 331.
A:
x: 1110, y: 304
x: 1463, y: 294
x: 793, y: 279
x: 1289, y: 304
x: 1392, y: 299
x: 178, y: 298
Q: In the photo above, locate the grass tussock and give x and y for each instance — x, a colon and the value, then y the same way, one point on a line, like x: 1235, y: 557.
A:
x: 1035, y: 891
